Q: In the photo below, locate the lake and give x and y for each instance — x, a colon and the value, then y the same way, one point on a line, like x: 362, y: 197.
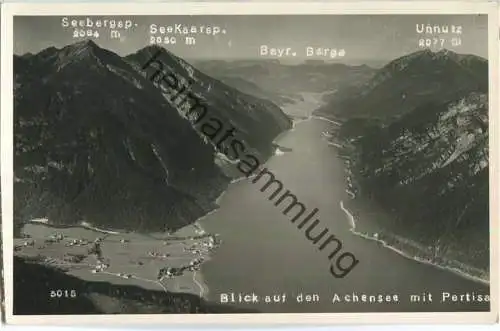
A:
x: 263, y: 253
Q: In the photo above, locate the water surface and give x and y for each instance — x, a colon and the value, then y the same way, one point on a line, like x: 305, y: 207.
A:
x: 264, y: 253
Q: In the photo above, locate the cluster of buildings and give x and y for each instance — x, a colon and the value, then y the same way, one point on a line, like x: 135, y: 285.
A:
x: 195, y: 264
x: 169, y: 272
x: 199, y: 231
x: 74, y: 258
x: 77, y: 242
x: 156, y: 254
x: 206, y: 245
x: 29, y: 243
x: 212, y: 242
x: 56, y: 237
x: 101, y: 266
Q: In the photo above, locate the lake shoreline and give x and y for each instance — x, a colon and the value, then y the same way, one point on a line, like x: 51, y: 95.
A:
x: 249, y: 231
x: 357, y: 228
x: 402, y: 245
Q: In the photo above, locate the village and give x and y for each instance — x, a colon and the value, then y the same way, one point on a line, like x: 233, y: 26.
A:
x: 170, y: 262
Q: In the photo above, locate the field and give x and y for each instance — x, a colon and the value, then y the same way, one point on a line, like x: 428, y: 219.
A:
x: 122, y: 258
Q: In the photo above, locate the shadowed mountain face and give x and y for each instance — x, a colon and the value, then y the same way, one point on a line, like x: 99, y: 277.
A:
x: 97, y: 297
x: 96, y: 140
x: 424, y: 158
x: 409, y: 82
x: 258, y: 121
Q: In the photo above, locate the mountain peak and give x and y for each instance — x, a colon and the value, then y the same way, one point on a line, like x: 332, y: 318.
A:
x: 429, y: 51
x: 150, y: 51
x: 420, y: 56
x: 82, y: 47
x: 425, y: 51
x: 85, y: 50
x: 86, y: 44
x: 445, y: 53
x: 153, y: 49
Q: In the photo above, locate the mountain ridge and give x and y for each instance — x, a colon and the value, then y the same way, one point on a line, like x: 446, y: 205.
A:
x: 85, y: 117
x: 425, y: 163
x: 287, y: 79
x: 408, y: 81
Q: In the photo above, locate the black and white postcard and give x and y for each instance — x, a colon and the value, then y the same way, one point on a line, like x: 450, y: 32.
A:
x: 228, y: 162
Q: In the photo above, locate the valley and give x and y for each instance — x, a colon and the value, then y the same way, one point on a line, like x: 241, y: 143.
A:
x: 377, y: 154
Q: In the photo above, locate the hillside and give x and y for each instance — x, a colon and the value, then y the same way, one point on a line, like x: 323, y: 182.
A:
x: 257, y: 121
x: 415, y: 140
x: 96, y: 140
x: 250, y: 88
x: 97, y: 297
x: 409, y: 82
x: 428, y: 171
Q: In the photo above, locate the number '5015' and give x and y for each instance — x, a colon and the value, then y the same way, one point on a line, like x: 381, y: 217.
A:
x: 63, y: 293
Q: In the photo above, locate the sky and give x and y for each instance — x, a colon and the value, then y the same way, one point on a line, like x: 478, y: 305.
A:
x: 363, y: 37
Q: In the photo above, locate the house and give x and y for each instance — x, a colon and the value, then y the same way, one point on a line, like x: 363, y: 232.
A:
x: 30, y: 243
x: 176, y: 271
x: 165, y: 272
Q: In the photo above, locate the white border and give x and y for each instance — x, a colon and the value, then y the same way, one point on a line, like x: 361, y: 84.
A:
x: 224, y: 8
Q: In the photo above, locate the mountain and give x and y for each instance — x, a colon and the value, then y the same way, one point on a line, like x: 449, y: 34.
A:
x: 250, y: 88
x: 259, y: 121
x: 96, y: 140
x: 409, y: 82
x: 424, y: 161
x: 429, y: 170
x: 288, y: 80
